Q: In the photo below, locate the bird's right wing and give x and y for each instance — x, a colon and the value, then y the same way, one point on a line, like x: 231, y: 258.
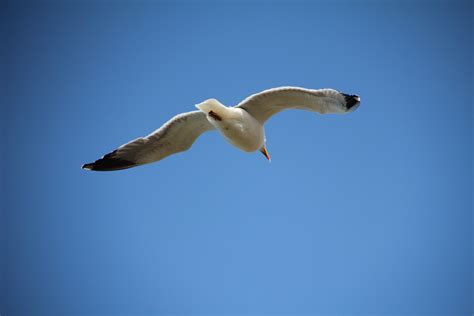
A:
x: 176, y: 135
x: 265, y: 104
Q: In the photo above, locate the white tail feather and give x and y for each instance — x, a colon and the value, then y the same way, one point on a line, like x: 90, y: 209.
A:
x: 214, y: 106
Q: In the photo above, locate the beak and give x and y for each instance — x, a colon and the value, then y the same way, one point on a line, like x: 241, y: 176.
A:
x: 264, y: 151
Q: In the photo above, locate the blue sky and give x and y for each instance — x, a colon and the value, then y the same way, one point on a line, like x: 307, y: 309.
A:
x: 367, y: 213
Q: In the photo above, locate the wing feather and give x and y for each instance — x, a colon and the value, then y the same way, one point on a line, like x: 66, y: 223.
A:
x: 267, y: 103
x: 176, y: 135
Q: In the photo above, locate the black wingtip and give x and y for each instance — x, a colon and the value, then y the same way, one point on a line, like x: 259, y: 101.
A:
x: 352, y: 101
x: 109, y: 163
x: 88, y: 166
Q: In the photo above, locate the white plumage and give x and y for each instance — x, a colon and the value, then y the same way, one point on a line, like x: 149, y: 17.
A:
x: 241, y: 125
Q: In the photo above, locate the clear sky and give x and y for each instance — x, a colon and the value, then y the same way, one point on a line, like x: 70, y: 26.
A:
x: 366, y: 213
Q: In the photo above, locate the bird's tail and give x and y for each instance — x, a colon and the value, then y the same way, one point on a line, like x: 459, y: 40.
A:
x: 214, y: 106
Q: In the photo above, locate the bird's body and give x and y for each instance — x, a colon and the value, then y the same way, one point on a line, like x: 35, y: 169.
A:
x: 241, y: 125
x: 236, y: 125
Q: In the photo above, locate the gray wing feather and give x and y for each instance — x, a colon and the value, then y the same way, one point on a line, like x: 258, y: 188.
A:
x: 176, y: 135
x: 267, y: 103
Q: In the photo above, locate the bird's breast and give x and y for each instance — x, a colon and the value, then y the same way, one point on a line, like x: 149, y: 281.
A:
x: 244, y: 132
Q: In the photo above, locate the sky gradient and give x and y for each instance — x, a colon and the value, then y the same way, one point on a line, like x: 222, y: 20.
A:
x: 366, y: 213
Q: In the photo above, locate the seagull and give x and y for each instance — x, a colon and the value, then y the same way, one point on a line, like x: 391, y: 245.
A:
x: 241, y: 125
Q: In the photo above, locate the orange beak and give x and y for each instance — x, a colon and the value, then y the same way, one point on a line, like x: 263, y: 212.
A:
x: 264, y: 151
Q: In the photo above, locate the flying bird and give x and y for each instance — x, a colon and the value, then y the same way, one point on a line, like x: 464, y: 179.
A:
x: 241, y: 125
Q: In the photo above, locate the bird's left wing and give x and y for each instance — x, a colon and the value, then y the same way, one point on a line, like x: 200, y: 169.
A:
x: 176, y: 135
x: 267, y: 103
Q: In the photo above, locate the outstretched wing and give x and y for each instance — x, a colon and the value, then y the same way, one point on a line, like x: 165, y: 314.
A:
x: 176, y: 135
x: 269, y: 102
